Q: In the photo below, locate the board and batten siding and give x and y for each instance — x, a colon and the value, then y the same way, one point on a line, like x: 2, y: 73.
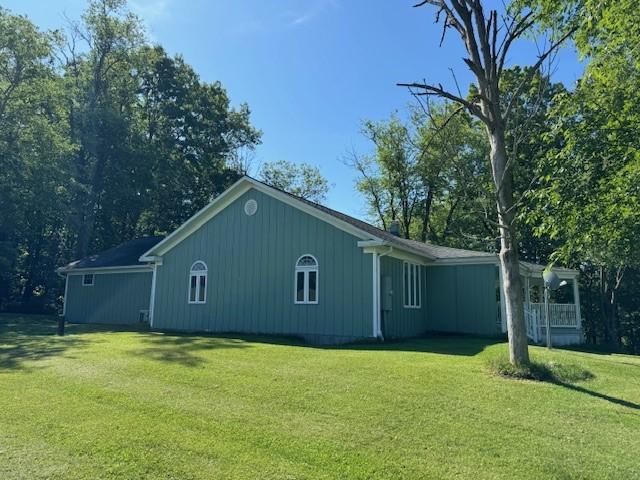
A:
x: 402, y: 322
x: 462, y: 299
x: 114, y: 298
x: 250, y: 280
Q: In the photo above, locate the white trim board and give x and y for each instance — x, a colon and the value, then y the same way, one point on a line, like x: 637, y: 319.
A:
x: 152, y: 298
x: 393, y: 251
x: 106, y: 270
x: 66, y: 292
x: 481, y: 260
x: 229, y: 196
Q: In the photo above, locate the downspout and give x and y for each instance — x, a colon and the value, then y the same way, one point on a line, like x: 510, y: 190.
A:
x: 377, y: 323
x: 152, y: 299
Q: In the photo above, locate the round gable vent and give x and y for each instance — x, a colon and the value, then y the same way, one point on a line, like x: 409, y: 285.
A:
x: 251, y: 207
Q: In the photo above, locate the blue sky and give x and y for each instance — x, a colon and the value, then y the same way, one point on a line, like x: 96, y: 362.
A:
x: 310, y: 70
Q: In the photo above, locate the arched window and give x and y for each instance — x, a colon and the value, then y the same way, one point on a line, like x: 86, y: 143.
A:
x: 306, y: 280
x: 198, y: 283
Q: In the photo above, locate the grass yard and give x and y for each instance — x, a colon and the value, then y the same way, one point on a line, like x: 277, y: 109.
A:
x: 103, y: 403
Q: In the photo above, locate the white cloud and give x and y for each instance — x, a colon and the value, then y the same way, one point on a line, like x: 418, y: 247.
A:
x: 317, y: 8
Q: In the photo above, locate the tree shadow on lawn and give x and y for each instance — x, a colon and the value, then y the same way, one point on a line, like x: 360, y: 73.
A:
x: 438, y: 343
x: 29, y: 338
x: 561, y: 373
x: 185, y: 348
x: 603, y: 396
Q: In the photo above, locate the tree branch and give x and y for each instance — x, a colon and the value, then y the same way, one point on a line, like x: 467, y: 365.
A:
x: 541, y: 58
x: 438, y: 91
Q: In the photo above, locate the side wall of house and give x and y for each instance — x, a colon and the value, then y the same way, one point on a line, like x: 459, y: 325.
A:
x: 114, y: 298
x: 462, y: 299
x: 251, y: 271
x: 401, y: 322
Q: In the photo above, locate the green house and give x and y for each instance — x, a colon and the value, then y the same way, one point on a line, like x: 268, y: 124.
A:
x: 259, y: 260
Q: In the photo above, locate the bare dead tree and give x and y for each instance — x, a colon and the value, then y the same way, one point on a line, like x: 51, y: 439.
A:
x: 487, y: 41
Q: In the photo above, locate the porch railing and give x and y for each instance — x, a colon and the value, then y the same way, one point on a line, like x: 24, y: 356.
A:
x: 561, y: 315
x: 534, y: 326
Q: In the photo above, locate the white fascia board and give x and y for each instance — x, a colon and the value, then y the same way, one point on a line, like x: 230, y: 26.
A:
x: 382, y: 247
x: 229, y: 196
x: 104, y: 270
x: 153, y: 259
x: 482, y: 260
x: 371, y: 243
x: 409, y: 257
x: 563, y: 273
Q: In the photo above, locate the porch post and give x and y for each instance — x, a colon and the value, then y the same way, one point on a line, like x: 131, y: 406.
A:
x: 576, y: 301
x: 527, y: 286
x: 376, y: 293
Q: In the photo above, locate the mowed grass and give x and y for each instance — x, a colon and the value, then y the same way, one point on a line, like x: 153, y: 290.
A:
x: 108, y: 403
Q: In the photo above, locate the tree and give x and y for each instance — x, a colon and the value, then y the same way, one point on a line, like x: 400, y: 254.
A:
x: 390, y: 178
x: 487, y: 44
x: 189, y: 136
x: 32, y: 150
x: 427, y: 172
x: 102, y: 138
x: 99, y: 81
x: 453, y: 170
x: 589, y: 200
x: 302, y: 180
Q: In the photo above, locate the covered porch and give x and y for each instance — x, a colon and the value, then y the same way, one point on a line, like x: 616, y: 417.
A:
x: 564, y: 306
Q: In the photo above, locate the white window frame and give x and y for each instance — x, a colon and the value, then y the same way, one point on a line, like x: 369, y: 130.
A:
x: 199, y: 274
x: 412, y: 272
x: 305, y: 269
x: 93, y: 279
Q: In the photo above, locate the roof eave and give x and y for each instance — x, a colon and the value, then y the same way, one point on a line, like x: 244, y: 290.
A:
x: 372, y: 244
x: 480, y: 259
x: 112, y: 269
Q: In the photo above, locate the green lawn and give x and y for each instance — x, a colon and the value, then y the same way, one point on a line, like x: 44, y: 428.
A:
x: 103, y: 403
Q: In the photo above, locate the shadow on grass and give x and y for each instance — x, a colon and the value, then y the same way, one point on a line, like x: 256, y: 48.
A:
x: 185, y: 349
x: 603, y: 396
x: 29, y: 338
x: 442, y: 344
x: 557, y: 373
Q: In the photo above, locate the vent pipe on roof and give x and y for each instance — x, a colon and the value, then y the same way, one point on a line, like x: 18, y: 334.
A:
x: 394, y: 228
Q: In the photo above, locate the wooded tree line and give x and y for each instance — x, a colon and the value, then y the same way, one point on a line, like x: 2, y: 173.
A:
x: 103, y: 137
x: 574, y: 163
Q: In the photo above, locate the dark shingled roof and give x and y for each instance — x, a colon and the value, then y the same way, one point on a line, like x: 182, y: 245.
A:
x: 426, y: 249
x: 124, y: 255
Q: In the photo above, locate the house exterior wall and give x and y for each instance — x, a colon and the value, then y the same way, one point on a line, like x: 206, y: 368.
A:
x: 251, y: 268
x: 114, y: 298
x: 462, y: 299
x: 401, y: 322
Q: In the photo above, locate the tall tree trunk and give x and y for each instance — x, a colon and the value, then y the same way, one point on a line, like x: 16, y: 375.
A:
x: 509, y: 258
x: 426, y: 216
x: 447, y: 223
x: 608, y: 304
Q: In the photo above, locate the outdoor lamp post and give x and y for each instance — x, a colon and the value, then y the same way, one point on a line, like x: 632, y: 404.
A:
x: 551, y: 282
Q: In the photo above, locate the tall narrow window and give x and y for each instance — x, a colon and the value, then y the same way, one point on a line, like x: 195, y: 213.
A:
x: 198, y: 283
x: 306, y: 280
x: 412, y: 285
